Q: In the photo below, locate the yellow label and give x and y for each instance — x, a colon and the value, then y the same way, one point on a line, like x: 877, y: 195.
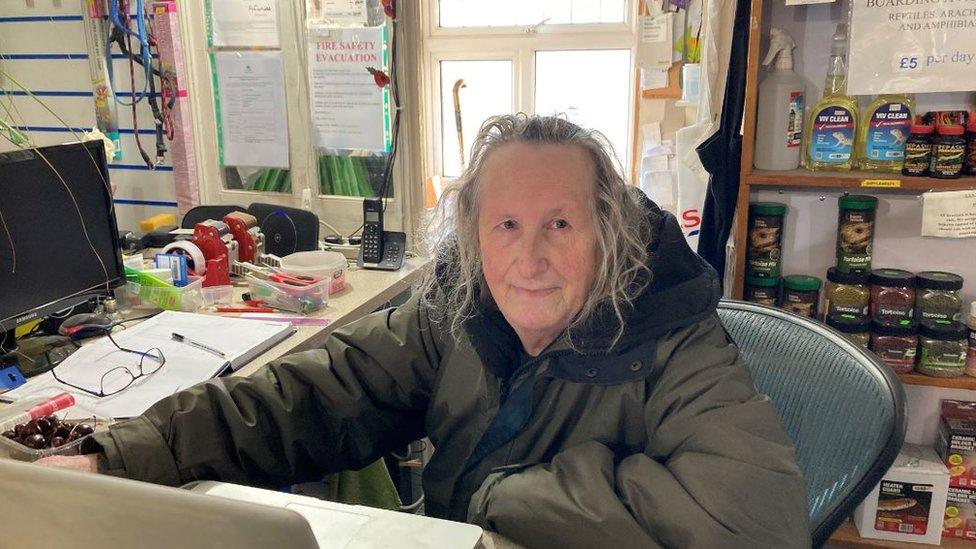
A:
x: 955, y: 459
x: 882, y: 183
x: 161, y: 10
x: 952, y: 512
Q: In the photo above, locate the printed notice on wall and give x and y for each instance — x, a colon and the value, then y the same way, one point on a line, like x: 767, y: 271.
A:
x: 349, y: 109
x: 336, y: 13
x: 250, y: 24
x: 253, y: 121
x: 912, y: 46
x: 950, y: 214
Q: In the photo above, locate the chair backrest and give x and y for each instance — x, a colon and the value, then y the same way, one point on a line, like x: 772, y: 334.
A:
x: 843, y: 408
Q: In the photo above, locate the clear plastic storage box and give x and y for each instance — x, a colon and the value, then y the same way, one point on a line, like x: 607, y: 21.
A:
x: 75, y: 414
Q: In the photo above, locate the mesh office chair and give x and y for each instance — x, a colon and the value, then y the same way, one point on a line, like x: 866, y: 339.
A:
x: 843, y: 409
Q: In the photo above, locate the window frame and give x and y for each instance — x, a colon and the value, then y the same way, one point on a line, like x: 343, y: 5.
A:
x: 518, y: 44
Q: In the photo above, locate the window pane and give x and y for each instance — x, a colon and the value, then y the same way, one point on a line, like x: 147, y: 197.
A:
x: 352, y: 175
x: 592, y: 88
x: 257, y: 179
x: 487, y: 92
x: 504, y: 13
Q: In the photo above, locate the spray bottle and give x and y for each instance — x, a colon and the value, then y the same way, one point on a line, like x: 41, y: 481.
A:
x: 779, y: 119
x: 832, y: 128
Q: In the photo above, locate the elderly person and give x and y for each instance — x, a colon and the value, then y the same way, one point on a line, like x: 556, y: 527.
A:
x: 564, y: 357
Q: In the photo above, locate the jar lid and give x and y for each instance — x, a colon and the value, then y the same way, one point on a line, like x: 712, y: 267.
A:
x: 892, y: 277
x: 767, y: 208
x: 944, y: 329
x: 764, y: 282
x: 836, y: 275
x: 938, y: 280
x: 922, y: 129
x: 951, y: 129
x: 848, y: 323
x: 802, y: 283
x: 857, y: 202
x: 901, y: 328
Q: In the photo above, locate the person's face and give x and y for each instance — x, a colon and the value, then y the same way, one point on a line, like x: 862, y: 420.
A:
x: 537, y: 236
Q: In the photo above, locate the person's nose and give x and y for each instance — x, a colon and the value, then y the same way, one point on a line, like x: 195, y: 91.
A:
x: 533, y: 259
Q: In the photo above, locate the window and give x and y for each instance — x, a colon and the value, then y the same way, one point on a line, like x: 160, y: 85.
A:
x: 571, y: 57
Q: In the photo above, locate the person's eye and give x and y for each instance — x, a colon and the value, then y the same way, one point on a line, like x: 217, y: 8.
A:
x: 560, y: 224
x: 508, y: 224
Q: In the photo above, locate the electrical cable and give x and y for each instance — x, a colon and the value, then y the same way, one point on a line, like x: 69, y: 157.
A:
x: 330, y: 227
x: 413, y: 506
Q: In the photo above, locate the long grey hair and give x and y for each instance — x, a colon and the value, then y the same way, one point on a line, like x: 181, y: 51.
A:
x: 622, y: 228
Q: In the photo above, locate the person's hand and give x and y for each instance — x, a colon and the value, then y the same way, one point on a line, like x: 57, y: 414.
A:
x: 86, y: 464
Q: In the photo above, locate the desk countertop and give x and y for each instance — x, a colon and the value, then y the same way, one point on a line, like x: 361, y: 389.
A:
x: 365, y: 291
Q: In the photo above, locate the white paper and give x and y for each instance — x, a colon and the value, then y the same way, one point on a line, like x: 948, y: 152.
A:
x: 950, y: 214
x: 253, y: 117
x: 900, y: 46
x: 245, y: 24
x: 655, y: 49
x: 348, y: 109
x: 336, y: 13
x: 653, y: 79
x: 185, y: 365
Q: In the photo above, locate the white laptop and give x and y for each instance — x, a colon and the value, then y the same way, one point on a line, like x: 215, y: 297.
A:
x: 45, y: 507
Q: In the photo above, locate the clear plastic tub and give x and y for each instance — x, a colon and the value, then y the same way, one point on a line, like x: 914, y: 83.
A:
x: 299, y: 299
x: 319, y: 263
x: 139, y: 296
x: 75, y: 414
x: 217, y: 295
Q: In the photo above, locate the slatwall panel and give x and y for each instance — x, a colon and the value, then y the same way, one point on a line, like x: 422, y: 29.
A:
x: 44, y: 49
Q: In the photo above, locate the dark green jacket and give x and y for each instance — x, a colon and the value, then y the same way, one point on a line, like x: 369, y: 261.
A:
x: 661, y: 442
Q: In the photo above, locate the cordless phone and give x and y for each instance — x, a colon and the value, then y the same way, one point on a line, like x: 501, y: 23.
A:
x: 379, y: 249
x: 372, y: 245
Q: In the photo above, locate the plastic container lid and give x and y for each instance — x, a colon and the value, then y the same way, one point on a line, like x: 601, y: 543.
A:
x: 922, y: 129
x: 835, y: 275
x: 772, y: 283
x: 767, y: 208
x: 318, y: 262
x: 951, y: 129
x: 858, y: 202
x: 900, y: 328
x: 802, y: 283
x: 971, y: 126
x: 892, y: 277
x: 848, y: 323
x: 944, y: 329
x: 938, y: 280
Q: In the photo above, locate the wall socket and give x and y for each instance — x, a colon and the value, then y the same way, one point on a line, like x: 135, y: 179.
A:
x: 307, y: 199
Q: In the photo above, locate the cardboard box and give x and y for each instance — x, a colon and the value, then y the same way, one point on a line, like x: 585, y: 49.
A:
x: 910, y: 501
x: 960, y: 515
x: 956, y: 443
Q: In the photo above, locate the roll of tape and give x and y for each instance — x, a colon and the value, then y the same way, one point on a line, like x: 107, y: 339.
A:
x: 194, y: 253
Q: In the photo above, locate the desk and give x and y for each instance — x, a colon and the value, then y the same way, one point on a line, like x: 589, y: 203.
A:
x: 365, y: 291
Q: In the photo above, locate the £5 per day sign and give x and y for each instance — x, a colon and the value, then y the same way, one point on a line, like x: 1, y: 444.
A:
x: 912, y: 46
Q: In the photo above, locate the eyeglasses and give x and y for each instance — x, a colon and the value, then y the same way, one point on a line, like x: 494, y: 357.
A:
x: 120, y: 378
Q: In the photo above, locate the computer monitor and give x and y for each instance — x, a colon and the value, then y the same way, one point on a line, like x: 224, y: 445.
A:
x: 59, y: 241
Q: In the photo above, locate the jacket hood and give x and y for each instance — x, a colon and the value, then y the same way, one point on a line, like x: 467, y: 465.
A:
x: 683, y: 289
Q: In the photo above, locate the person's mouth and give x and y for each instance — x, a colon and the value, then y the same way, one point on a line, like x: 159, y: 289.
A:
x: 533, y: 292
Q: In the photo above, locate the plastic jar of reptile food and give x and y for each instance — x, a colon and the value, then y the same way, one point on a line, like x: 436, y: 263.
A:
x: 854, y: 327
x: 764, y: 252
x: 855, y: 233
x: 892, y: 295
x: 896, y: 344
x: 937, y: 295
x: 801, y: 295
x: 846, y: 293
x: 764, y: 291
x: 942, y: 348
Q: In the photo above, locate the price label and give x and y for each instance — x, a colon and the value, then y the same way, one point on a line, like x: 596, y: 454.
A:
x: 907, y: 62
x: 881, y: 183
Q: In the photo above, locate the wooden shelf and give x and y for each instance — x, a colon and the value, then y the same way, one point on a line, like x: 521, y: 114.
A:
x: 961, y: 382
x: 870, y: 181
x: 847, y: 536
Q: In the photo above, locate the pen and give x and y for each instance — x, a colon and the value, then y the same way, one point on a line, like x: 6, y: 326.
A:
x: 198, y: 345
x: 48, y: 407
x: 245, y: 310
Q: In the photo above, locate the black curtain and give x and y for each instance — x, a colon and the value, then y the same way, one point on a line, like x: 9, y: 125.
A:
x: 721, y: 153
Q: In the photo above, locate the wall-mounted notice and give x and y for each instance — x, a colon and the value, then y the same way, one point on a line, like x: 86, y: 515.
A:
x: 349, y: 111
x: 253, y: 119
x: 244, y: 24
x: 911, y: 46
x: 336, y: 13
x: 950, y: 214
